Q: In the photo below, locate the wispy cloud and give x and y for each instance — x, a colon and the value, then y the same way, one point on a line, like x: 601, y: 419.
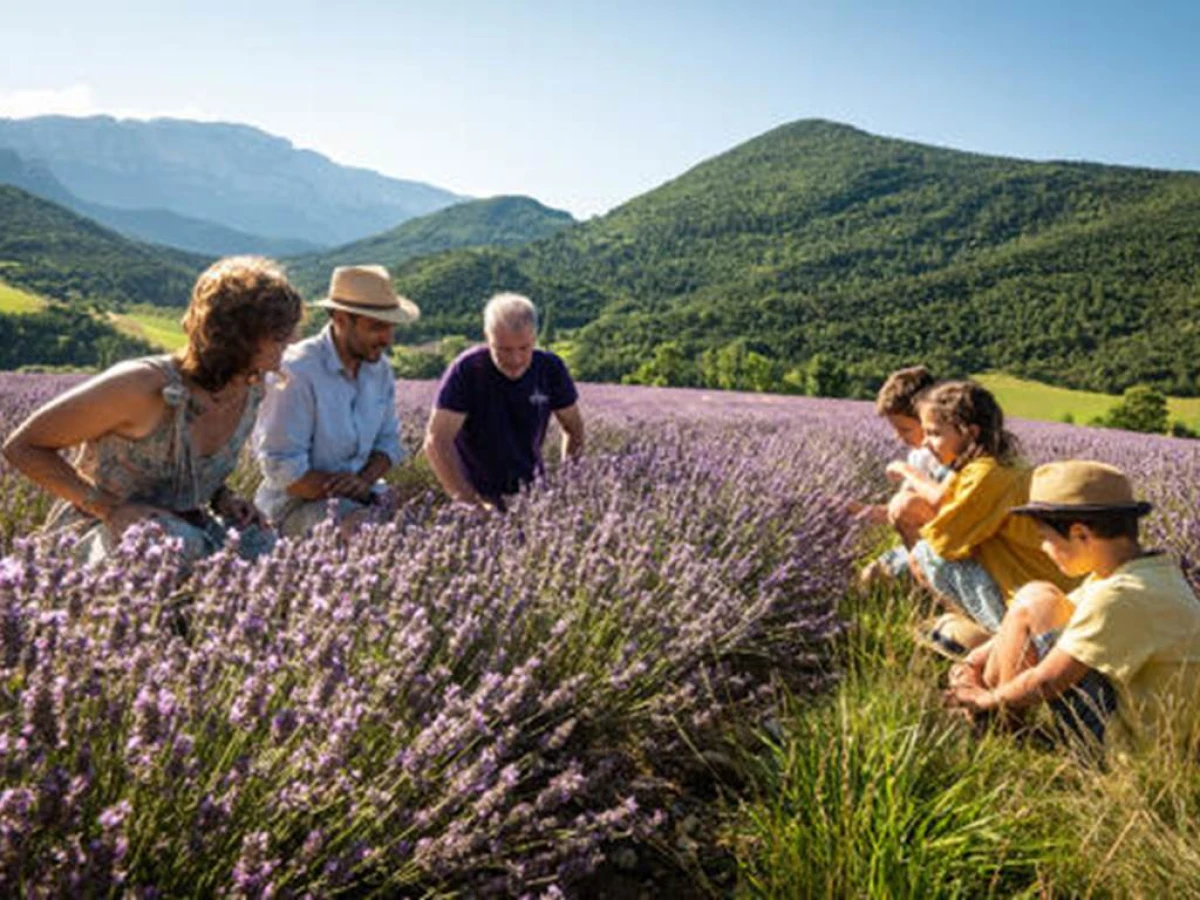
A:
x: 80, y: 100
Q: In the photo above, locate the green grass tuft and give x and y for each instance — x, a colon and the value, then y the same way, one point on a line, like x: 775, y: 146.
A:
x: 881, y: 792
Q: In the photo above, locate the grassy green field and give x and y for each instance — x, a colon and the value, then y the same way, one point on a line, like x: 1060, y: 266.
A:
x: 15, y: 300
x: 878, y: 791
x: 159, y: 327
x: 1033, y: 400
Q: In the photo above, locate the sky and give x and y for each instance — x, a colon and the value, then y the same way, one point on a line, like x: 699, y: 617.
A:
x: 585, y: 105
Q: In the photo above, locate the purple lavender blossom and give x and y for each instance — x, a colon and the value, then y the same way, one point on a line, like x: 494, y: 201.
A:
x: 451, y: 703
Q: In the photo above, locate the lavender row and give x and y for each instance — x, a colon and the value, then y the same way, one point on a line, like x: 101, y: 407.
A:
x: 454, y: 702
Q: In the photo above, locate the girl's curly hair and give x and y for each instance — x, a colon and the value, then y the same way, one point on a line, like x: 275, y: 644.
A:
x: 962, y: 404
x: 237, y: 302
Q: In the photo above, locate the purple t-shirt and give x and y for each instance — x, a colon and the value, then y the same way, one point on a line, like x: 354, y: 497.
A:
x: 501, y: 440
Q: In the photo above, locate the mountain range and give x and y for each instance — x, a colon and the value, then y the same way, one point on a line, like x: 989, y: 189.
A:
x: 818, y: 241
x: 815, y: 247
x: 64, y: 256
x: 213, y: 188
x: 495, y: 222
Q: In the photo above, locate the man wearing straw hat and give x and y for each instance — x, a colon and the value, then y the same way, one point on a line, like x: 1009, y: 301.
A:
x: 328, y: 431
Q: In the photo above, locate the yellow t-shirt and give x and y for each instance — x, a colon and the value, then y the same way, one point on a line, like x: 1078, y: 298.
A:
x: 973, y: 522
x: 1141, y: 628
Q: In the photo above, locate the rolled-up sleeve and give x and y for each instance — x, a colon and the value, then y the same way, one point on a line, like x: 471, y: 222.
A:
x: 388, y: 439
x: 285, y: 431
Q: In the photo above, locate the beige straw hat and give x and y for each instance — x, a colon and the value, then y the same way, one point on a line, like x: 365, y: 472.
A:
x: 368, y: 291
x: 1080, y: 486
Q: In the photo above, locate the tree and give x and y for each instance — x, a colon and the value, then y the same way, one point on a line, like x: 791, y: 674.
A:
x: 759, y: 373
x: 824, y: 376
x: 667, y: 368
x: 1141, y: 408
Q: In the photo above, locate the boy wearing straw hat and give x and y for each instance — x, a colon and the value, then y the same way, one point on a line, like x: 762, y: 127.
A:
x: 1119, y: 657
x: 328, y: 431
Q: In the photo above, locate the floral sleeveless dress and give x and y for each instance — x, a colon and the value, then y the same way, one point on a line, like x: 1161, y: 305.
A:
x: 163, y: 469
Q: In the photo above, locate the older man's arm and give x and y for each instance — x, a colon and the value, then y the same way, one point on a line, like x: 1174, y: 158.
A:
x: 570, y: 420
x: 444, y: 426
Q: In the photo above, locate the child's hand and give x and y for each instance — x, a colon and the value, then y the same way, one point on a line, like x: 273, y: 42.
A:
x: 896, y: 471
x: 970, y: 697
x: 965, y: 675
x: 867, y: 512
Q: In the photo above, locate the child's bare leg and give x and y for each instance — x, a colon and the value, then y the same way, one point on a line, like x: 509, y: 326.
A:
x: 1039, y: 607
x: 908, y: 513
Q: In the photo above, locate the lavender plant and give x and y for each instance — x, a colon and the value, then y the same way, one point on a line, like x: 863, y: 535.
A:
x: 454, y: 702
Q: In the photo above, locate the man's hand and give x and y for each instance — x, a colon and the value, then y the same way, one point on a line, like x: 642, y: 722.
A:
x: 347, y: 484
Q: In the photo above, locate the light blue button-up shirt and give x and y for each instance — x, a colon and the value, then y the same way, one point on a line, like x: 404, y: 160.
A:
x: 319, y: 417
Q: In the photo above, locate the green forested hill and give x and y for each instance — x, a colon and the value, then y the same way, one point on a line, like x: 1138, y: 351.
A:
x: 817, y: 246
x: 498, y: 221
x: 65, y: 257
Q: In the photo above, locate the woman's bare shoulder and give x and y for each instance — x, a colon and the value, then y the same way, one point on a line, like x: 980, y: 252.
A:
x: 134, y: 379
x: 128, y: 394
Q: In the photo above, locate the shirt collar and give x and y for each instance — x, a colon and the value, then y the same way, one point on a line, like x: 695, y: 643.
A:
x: 329, y: 353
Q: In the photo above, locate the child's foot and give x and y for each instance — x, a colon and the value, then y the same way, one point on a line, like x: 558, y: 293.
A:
x: 950, y: 635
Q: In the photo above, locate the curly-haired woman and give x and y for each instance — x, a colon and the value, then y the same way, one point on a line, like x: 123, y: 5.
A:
x: 157, y: 437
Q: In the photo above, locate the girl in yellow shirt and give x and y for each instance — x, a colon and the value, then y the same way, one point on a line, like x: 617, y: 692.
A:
x: 973, y: 555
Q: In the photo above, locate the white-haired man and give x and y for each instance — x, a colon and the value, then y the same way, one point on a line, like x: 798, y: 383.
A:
x: 328, y: 431
x: 485, y: 434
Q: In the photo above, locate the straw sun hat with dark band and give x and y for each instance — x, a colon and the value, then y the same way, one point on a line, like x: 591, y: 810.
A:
x: 1080, y: 486
x: 368, y: 291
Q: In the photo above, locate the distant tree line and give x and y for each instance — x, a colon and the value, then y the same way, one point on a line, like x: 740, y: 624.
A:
x: 59, y: 336
x: 816, y: 241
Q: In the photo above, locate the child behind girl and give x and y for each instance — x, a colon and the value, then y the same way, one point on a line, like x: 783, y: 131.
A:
x: 973, y: 555
x: 919, y: 477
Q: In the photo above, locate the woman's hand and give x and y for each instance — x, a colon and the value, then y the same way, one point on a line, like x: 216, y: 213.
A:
x: 124, y: 515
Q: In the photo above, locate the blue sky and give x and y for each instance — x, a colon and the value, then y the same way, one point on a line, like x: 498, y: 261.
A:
x: 585, y: 105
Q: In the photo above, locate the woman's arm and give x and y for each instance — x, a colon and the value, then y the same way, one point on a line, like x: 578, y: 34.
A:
x: 126, y: 400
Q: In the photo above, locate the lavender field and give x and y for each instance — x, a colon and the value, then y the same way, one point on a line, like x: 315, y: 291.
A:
x: 573, y: 698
